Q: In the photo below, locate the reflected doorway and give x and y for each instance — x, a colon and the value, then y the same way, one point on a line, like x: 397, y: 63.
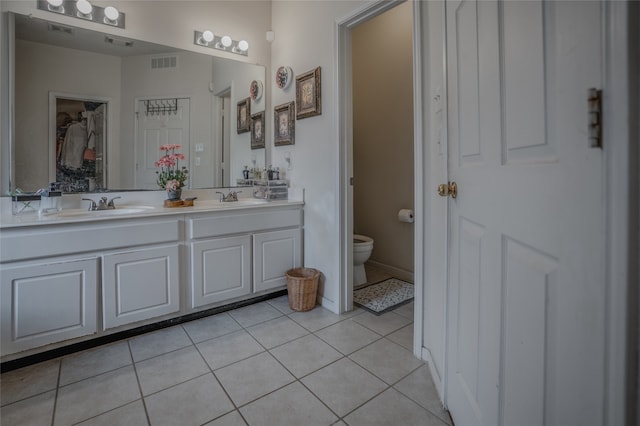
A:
x: 79, y: 139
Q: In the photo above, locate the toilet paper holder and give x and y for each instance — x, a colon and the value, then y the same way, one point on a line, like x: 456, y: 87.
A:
x: 405, y: 215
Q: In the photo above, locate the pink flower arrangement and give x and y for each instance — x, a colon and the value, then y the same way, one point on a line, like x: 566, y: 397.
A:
x: 171, y: 175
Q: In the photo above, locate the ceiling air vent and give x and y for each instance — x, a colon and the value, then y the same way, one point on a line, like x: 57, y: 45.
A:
x: 57, y: 28
x: 164, y: 62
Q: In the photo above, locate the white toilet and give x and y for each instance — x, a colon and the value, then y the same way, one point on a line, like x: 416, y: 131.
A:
x: 362, y: 247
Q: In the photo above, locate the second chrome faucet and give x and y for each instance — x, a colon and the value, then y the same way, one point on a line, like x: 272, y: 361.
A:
x: 103, y: 204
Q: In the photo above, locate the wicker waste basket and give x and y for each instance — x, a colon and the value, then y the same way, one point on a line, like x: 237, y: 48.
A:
x: 302, y: 285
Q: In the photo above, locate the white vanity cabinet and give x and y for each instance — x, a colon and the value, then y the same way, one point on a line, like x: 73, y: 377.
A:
x: 274, y: 253
x: 140, y: 284
x: 47, y: 302
x: 56, y: 280
x: 240, y: 252
x: 67, y: 281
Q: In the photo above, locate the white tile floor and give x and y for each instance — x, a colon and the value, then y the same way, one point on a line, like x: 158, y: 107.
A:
x: 258, y: 365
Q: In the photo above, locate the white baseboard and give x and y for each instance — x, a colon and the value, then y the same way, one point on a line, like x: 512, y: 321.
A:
x: 437, y: 380
x: 393, y: 271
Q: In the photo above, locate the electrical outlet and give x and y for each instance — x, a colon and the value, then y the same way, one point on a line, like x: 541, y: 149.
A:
x: 199, y: 147
x: 287, y: 159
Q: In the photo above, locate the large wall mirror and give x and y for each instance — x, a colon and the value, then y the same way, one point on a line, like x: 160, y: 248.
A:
x: 128, y: 97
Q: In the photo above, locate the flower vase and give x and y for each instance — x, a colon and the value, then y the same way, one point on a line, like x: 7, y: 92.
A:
x: 174, y: 194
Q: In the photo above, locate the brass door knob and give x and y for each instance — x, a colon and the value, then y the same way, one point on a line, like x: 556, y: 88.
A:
x: 446, y: 189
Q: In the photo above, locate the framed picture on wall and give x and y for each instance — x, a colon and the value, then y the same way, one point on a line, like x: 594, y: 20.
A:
x: 308, y: 94
x: 284, y: 124
x: 243, y: 116
x: 257, y: 130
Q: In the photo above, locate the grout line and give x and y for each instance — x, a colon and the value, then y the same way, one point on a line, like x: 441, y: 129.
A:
x: 135, y: 371
x: 55, y: 397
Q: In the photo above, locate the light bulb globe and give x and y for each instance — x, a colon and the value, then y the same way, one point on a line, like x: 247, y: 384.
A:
x: 243, y: 45
x: 111, y: 13
x: 84, y: 7
x: 207, y: 36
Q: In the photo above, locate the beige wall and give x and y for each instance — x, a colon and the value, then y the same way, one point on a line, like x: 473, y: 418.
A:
x: 304, y: 39
x: 68, y: 71
x: 383, y: 134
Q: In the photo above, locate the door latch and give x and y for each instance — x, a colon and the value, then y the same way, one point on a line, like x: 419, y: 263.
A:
x: 448, y: 189
x: 595, y: 118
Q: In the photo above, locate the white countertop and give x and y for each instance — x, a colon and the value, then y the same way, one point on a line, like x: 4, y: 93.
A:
x: 135, y: 204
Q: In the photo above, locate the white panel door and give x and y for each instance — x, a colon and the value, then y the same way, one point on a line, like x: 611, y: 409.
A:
x: 526, y: 303
x: 47, y: 302
x: 220, y: 269
x: 155, y: 130
x: 140, y: 284
x: 274, y: 253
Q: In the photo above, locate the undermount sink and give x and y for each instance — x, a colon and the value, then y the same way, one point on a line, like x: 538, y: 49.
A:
x: 118, y: 211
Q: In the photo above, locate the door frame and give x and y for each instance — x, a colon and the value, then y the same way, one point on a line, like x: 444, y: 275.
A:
x: 222, y: 146
x: 344, y: 94
x: 620, y: 175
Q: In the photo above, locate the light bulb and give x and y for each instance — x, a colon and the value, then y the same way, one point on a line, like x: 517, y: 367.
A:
x: 55, y: 3
x: 207, y: 36
x: 226, y: 41
x: 111, y: 13
x: 84, y: 7
x: 243, y: 45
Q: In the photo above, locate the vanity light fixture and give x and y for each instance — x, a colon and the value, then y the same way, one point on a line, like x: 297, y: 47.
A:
x: 226, y: 43
x: 83, y: 9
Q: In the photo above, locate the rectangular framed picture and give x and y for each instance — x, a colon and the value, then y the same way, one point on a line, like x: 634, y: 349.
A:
x: 244, y: 115
x: 284, y: 124
x: 257, y: 130
x: 308, y: 94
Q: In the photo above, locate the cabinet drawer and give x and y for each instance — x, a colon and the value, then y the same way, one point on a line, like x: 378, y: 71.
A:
x: 47, y: 303
x: 32, y: 243
x: 228, y: 223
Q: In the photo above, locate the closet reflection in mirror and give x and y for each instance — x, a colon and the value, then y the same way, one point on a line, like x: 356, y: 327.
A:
x: 80, y: 140
x: 55, y: 58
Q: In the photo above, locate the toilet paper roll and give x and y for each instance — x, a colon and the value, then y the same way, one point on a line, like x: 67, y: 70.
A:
x: 405, y: 215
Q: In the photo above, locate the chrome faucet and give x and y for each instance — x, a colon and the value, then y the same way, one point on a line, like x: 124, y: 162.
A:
x: 110, y: 204
x: 103, y: 204
x: 231, y: 196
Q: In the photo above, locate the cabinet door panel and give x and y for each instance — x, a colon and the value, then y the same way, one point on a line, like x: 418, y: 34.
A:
x: 274, y: 254
x: 43, y: 304
x: 220, y: 269
x: 139, y: 285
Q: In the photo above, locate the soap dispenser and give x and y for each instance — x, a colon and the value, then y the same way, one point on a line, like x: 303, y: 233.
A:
x: 51, y: 199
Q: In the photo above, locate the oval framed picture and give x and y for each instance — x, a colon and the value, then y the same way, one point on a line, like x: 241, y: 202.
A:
x: 255, y: 90
x: 284, y: 75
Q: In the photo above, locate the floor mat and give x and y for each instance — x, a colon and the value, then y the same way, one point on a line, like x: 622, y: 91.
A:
x: 384, y: 296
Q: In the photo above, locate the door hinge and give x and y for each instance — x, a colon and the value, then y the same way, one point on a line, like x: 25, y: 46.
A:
x: 351, y: 181
x: 595, y: 118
